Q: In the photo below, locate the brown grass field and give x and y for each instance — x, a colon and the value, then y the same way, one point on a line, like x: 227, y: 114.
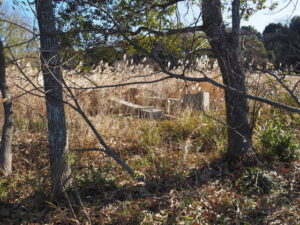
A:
x: 182, y: 155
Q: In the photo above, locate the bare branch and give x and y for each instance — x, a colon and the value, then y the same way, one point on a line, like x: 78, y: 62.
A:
x: 107, y: 149
x: 18, y: 25
x: 184, y: 30
x: 165, y: 4
x: 21, y: 43
x: 281, y: 82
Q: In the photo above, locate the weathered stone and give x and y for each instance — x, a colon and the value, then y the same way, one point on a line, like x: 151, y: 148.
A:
x: 139, y: 110
x: 199, y: 101
x: 153, y: 114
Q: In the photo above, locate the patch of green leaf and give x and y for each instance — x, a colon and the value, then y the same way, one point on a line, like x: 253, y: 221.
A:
x: 95, y: 181
x: 279, y: 143
x: 4, y: 188
x: 149, y: 135
x: 256, y: 181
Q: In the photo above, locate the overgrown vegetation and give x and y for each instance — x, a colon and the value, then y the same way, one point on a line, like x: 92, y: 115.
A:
x: 191, y: 178
x: 256, y: 181
x: 279, y: 142
x: 182, y: 155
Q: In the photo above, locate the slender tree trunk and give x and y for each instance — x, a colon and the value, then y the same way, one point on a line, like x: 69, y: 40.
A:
x: 8, y: 125
x: 226, y: 46
x: 57, y: 132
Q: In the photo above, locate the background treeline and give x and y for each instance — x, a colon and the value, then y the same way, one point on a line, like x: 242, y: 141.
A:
x: 283, y: 44
x: 278, y: 46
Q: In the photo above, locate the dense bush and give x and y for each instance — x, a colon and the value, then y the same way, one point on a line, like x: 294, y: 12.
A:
x: 279, y: 144
x: 256, y: 181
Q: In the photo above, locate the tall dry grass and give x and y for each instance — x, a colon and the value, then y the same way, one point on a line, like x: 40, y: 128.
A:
x: 177, y: 154
x: 108, y: 117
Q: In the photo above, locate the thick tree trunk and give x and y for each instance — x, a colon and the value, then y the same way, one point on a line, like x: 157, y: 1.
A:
x: 226, y: 46
x: 8, y: 125
x: 58, y: 143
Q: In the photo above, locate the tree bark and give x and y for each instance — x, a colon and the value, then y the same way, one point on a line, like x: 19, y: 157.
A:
x: 57, y: 131
x: 226, y: 46
x: 8, y: 125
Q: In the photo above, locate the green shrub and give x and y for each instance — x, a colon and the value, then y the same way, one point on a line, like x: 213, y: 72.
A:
x: 279, y: 144
x: 96, y: 181
x: 256, y: 181
x: 21, y: 123
x: 37, y: 125
x: 204, y: 133
x: 4, y: 188
x: 149, y: 135
x: 179, y: 129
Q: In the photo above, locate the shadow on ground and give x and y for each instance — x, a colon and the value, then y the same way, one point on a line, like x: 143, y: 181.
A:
x: 96, y: 194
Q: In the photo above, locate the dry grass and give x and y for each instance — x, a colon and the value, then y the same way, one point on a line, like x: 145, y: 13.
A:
x: 183, y: 156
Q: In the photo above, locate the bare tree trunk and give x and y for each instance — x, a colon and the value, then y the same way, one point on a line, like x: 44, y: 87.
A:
x: 58, y: 143
x: 226, y: 46
x: 8, y: 125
